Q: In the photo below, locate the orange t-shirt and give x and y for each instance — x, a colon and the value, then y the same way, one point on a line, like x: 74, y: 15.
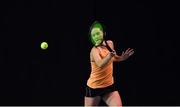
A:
x: 101, y: 77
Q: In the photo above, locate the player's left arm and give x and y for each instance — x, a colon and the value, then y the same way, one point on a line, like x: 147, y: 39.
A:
x: 125, y: 54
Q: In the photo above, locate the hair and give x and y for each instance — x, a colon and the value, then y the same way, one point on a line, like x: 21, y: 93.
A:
x: 96, y: 24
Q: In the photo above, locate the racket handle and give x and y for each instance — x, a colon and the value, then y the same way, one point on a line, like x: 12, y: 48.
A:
x: 108, y: 47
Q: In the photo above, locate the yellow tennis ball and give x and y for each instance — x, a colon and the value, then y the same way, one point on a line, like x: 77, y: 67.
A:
x: 44, y: 45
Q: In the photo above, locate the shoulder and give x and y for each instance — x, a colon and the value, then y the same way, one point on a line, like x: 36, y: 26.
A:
x: 94, y: 49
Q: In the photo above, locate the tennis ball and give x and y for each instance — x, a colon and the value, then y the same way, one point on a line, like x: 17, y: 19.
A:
x: 44, y: 45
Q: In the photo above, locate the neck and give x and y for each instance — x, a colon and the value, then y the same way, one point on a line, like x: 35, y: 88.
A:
x: 102, y: 43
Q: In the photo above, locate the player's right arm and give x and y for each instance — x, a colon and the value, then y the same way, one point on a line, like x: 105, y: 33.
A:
x: 98, y: 60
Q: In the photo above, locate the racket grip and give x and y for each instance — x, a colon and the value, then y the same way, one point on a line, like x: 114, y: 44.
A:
x: 113, y: 53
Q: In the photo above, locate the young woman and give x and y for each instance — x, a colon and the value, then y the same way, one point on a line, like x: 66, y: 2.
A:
x: 100, y: 84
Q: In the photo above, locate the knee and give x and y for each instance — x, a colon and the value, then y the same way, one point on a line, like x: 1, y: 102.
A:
x: 91, y: 101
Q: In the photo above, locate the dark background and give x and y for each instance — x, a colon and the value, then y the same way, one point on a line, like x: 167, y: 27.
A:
x: 57, y: 76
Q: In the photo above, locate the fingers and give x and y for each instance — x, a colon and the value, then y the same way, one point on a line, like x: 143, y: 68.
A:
x: 129, y: 50
x: 122, y: 53
x: 131, y: 53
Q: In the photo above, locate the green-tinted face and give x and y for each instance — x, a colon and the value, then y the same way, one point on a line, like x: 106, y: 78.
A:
x: 96, y: 36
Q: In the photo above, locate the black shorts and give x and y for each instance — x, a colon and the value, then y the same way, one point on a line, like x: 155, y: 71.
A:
x: 90, y: 92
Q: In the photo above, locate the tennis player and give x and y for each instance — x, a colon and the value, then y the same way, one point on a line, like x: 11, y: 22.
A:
x: 100, y: 84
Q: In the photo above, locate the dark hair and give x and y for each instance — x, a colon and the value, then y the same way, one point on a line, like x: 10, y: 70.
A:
x: 96, y: 24
x: 102, y: 27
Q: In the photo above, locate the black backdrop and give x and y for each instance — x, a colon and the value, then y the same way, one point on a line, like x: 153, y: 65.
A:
x: 57, y: 76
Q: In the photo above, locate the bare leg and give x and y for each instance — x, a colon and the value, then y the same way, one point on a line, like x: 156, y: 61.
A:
x: 92, y: 101
x: 113, y: 99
